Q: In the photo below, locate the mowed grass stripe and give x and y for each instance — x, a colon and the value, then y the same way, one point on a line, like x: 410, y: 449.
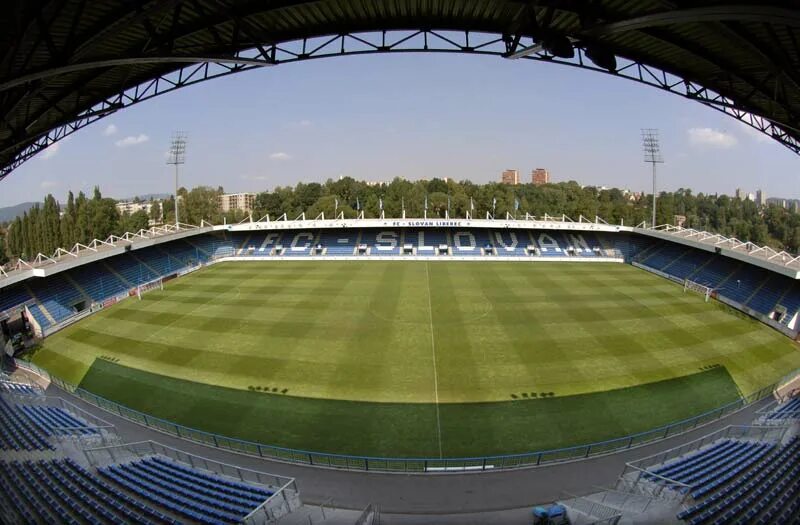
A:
x: 409, y: 429
x: 360, y: 331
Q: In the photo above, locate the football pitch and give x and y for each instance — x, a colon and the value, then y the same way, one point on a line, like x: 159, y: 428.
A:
x: 414, y: 358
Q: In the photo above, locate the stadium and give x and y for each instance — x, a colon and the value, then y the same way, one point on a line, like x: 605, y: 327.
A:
x: 401, y: 369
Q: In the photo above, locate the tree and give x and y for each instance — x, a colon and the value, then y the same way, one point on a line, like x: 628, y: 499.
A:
x: 134, y: 222
x: 43, y: 229
x: 156, y: 212
x: 3, y: 250
x: 82, y: 228
x: 103, y: 216
x: 201, y: 204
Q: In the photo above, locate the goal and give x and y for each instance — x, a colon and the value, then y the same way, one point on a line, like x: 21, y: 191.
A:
x: 697, y: 287
x: 150, y: 285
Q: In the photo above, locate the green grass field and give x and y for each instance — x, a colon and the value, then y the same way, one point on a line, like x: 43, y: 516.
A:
x: 420, y: 358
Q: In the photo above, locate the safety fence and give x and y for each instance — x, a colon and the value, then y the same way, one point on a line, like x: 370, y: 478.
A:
x: 284, y: 497
x: 638, y: 476
x: 410, y: 465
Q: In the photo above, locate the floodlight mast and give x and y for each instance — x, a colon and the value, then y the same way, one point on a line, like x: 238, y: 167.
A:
x: 177, y: 156
x: 652, y: 155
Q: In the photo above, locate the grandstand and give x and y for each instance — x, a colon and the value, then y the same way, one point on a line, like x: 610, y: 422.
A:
x: 770, y: 296
x: 736, y: 475
x: 60, y: 464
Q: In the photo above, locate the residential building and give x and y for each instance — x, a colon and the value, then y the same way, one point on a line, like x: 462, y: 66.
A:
x: 510, y: 177
x: 540, y: 176
x: 237, y: 201
x: 761, y: 198
x: 129, y: 208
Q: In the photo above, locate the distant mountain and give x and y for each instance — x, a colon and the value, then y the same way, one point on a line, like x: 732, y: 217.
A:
x: 12, y: 212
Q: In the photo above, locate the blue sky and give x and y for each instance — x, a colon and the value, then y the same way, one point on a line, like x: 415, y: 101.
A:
x: 417, y: 116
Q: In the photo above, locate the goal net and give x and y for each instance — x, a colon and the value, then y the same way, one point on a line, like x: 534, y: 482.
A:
x: 697, y: 287
x: 155, y: 284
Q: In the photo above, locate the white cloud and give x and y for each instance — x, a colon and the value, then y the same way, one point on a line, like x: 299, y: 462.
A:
x: 280, y: 155
x: 48, y: 184
x: 305, y: 123
x: 111, y: 129
x: 711, y: 137
x: 51, y: 151
x: 132, y: 140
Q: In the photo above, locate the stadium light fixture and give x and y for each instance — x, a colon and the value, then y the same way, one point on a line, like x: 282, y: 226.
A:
x: 652, y: 155
x: 557, y: 45
x: 177, y: 156
x: 601, y: 57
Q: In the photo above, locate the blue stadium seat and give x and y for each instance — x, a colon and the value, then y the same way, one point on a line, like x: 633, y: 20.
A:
x: 788, y: 410
x: 198, y: 495
x: 338, y: 243
x: 470, y: 243
x: 510, y: 243
x: 380, y: 242
x: 18, y: 432
x: 759, y: 492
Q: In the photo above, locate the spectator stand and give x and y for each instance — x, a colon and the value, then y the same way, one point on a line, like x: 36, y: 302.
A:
x: 780, y: 412
x: 19, y: 385
x: 26, y: 372
x: 641, y: 476
x: 285, y: 497
x: 64, y: 421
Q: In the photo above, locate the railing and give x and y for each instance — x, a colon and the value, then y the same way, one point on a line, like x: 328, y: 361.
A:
x: 284, y: 499
x: 371, y: 515
x: 9, y: 312
x: 412, y: 465
x: 584, y: 511
x: 30, y: 367
x: 638, y: 477
x: 752, y: 432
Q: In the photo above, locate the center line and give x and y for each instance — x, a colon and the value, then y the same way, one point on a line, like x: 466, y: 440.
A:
x: 433, y: 351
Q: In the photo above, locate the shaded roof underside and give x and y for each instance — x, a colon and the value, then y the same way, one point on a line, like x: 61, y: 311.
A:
x: 59, y: 59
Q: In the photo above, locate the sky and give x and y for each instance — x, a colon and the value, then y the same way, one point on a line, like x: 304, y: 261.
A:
x: 415, y: 116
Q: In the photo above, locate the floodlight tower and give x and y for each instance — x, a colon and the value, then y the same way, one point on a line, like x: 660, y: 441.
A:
x: 652, y: 154
x: 177, y: 156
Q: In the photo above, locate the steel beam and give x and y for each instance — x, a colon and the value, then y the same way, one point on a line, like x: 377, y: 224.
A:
x: 74, y: 68
x: 412, y: 41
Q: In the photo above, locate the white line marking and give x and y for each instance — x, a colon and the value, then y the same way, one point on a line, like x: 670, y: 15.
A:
x: 433, y: 351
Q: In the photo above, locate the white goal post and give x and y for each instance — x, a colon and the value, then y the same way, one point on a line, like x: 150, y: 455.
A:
x: 150, y: 285
x: 697, y: 287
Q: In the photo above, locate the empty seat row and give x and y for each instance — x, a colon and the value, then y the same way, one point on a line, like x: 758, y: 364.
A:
x: 61, y: 491
x: 757, y: 494
x: 197, y: 495
x: 18, y: 432
x: 787, y: 410
x: 55, y: 420
x: 746, y: 284
x: 19, y: 389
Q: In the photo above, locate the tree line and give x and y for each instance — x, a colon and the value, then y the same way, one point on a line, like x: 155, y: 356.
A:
x: 48, y: 226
